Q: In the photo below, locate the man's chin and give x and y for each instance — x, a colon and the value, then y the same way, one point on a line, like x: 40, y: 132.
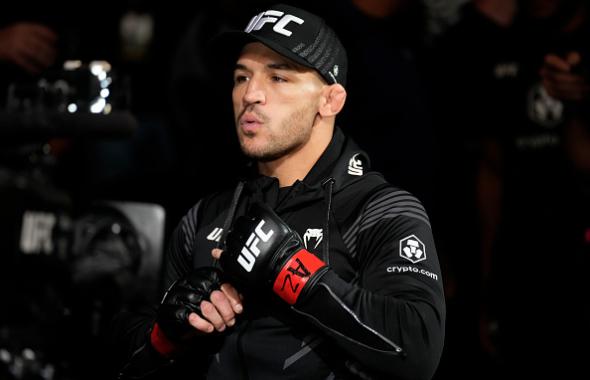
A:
x: 257, y: 156
x: 260, y: 155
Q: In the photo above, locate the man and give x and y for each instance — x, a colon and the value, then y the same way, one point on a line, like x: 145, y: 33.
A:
x: 315, y: 268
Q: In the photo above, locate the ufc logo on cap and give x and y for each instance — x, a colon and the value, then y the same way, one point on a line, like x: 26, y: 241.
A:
x: 250, y: 251
x: 272, y: 17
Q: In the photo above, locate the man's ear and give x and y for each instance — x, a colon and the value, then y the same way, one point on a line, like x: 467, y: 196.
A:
x: 332, y: 100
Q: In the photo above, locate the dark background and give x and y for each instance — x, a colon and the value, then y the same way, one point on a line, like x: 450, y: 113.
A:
x: 420, y: 101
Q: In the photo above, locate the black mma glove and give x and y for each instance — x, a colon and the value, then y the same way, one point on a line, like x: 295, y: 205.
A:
x: 261, y: 251
x: 182, y: 298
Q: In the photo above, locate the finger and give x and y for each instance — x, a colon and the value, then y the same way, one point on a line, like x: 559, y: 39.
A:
x: 40, y: 52
x: 216, y: 253
x: 573, y: 58
x: 234, y: 297
x: 211, y: 314
x: 199, y: 323
x: 35, y: 50
x: 562, y: 78
x: 43, y: 32
x: 224, y: 307
x: 25, y: 63
x: 556, y: 63
x: 567, y: 91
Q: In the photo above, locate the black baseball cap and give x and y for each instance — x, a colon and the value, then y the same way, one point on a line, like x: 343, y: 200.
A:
x: 296, y: 34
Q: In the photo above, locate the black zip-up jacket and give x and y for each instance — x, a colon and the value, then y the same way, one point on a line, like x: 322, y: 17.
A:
x: 378, y: 312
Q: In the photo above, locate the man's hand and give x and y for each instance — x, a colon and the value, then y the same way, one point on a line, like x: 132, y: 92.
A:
x: 28, y: 45
x: 198, y: 303
x: 263, y: 252
x: 562, y: 78
x: 219, y: 312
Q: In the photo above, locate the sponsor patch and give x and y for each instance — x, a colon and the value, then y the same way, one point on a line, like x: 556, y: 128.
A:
x: 412, y: 249
x: 215, y: 235
x: 355, y: 166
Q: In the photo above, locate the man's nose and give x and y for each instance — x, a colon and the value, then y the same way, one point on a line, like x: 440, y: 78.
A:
x: 254, y: 93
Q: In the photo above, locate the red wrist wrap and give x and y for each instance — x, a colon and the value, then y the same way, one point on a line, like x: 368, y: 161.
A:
x: 161, y: 343
x: 295, y: 274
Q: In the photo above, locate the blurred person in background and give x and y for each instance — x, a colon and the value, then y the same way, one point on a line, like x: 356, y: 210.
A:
x: 513, y: 82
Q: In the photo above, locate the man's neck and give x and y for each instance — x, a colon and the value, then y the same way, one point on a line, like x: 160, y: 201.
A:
x: 295, y: 165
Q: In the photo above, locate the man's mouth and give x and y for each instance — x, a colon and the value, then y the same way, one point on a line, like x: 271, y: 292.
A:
x: 250, y: 122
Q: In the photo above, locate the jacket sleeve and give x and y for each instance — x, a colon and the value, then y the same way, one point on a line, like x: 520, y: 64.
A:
x: 391, y: 320
x: 129, y: 334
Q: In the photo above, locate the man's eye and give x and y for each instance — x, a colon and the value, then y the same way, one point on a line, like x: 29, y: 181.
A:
x: 240, y: 78
x: 279, y: 79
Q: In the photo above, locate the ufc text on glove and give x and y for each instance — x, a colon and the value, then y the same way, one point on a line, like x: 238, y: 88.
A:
x: 261, y: 251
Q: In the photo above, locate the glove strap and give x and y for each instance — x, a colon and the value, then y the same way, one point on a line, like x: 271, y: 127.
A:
x: 294, y: 275
x: 161, y: 343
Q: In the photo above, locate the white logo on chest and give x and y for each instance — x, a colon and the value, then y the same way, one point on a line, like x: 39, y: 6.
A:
x: 311, y: 234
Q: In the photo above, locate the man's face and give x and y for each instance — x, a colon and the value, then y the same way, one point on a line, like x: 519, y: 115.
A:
x: 275, y: 103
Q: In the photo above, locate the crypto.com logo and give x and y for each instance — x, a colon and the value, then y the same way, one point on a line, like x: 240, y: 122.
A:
x: 412, y: 249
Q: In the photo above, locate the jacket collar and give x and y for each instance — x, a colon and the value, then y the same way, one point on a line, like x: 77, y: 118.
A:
x: 343, y: 161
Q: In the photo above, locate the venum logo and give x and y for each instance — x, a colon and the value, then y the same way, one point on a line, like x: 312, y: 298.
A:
x: 316, y: 234
x: 278, y: 18
x: 250, y: 251
x: 412, y: 249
